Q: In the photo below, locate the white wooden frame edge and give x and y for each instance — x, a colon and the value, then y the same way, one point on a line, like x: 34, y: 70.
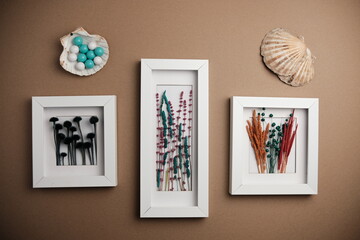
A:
x: 109, y: 179
x: 202, y: 68
x: 236, y: 109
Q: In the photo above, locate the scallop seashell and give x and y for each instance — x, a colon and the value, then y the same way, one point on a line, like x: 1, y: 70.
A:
x: 288, y: 57
x: 66, y: 42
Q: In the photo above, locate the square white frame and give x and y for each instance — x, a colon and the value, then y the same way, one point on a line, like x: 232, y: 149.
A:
x: 108, y: 103
x: 147, y: 142
x: 237, y: 185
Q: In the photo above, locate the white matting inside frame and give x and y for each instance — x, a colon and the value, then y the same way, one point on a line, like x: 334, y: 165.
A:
x: 68, y: 113
x: 296, y: 172
x: 174, y: 82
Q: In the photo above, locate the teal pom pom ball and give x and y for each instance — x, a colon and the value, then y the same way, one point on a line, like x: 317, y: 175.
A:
x: 90, y: 55
x: 99, y: 51
x: 77, y: 41
x: 81, y: 57
x: 83, y: 48
x: 89, y: 64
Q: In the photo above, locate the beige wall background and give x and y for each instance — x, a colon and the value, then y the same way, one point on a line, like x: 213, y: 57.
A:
x: 228, y: 33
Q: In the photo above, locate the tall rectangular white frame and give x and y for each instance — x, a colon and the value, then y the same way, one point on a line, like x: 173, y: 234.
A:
x: 108, y: 103
x: 237, y: 186
x: 147, y: 96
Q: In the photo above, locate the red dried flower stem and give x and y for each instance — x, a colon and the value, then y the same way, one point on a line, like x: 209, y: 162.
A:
x: 189, y: 134
x: 158, y: 134
x: 286, y: 143
x: 166, y: 167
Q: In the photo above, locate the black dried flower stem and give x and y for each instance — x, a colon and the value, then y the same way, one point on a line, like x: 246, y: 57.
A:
x: 59, y: 137
x: 58, y: 127
x: 54, y: 120
x: 87, y: 146
x: 73, y: 153
x: 75, y: 138
x: 93, y: 120
x: 62, y: 155
x: 67, y: 125
x: 91, y: 136
x: 77, y: 120
x: 68, y: 141
x: 80, y: 146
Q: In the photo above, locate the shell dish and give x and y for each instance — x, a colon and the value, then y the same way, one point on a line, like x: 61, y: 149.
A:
x: 66, y: 42
x: 288, y: 57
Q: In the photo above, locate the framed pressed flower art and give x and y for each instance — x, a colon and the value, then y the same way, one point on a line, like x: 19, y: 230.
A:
x: 274, y: 145
x: 174, y: 138
x: 74, y: 141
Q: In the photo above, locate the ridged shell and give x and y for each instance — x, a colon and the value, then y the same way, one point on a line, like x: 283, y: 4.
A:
x: 288, y: 57
x: 66, y: 42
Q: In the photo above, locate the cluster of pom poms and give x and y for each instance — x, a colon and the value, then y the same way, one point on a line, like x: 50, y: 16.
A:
x: 86, y: 56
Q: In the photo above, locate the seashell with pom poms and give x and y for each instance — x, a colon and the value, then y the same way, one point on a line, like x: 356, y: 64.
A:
x: 288, y: 57
x: 67, y: 58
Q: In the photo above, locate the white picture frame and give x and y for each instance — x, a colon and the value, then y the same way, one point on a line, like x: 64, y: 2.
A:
x: 242, y: 183
x: 173, y: 72
x: 46, y: 175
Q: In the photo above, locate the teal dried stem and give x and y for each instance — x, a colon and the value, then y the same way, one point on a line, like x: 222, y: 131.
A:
x: 187, y: 161
x: 158, y: 174
x: 273, y: 146
x: 180, y: 156
x: 165, y: 143
x: 165, y: 157
x: 173, y: 157
x: 180, y: 132
x: 186, y: 148
x: 176, y: 164
x: 163, y: 116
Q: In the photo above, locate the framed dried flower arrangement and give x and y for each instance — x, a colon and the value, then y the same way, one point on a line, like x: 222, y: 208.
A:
x: 174, y: 138
x: 274, y: 145
x: 74, y: 141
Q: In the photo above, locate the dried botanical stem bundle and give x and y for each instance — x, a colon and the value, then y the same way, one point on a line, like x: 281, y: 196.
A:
x: 74, y: 142
x: 258, y: 138
x: 286, y: 143
x: 174, y: 138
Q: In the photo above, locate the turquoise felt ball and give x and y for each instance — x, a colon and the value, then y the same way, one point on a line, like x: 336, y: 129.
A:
x: 90, y: 55
x: 99, y: 51
x: 77, y: 41
x: 83, y: 48
x: 89, y: 63
x: 81, y: 57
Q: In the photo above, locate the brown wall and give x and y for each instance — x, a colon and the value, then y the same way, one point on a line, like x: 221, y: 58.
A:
x: 228, y: 33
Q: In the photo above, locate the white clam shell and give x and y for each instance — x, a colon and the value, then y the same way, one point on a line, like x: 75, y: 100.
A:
x: 288, y: 57
x: 66, y: 42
